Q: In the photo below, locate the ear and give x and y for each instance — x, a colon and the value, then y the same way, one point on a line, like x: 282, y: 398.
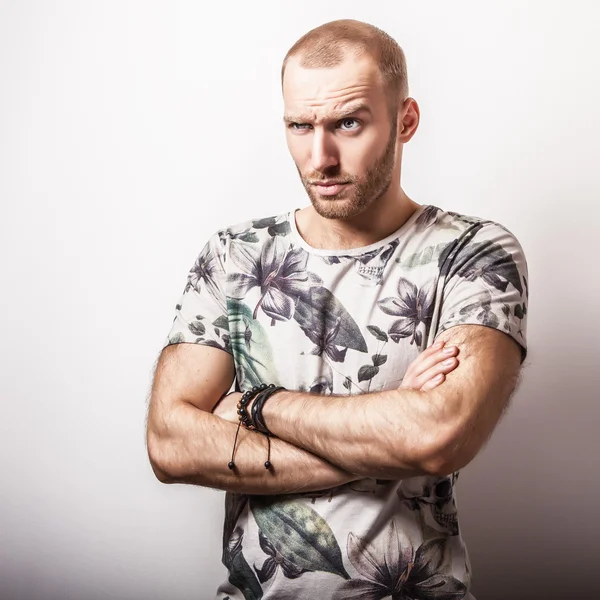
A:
x: 408, y: 119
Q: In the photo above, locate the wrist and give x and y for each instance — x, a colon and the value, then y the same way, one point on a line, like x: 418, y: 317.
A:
x: 273, y: 408
x: 250, y: 407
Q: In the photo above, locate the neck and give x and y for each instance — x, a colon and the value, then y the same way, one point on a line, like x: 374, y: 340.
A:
x: 378, y: 221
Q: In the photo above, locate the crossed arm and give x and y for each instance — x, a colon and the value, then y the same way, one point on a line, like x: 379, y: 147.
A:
x: 388, y: 434
x: 325, y: 441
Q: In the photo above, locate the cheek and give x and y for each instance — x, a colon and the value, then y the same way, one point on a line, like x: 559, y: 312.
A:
x: 358, y: 157
x: 299, y: 150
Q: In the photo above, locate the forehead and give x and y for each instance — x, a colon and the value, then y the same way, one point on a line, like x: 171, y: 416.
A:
x: 317, y: 91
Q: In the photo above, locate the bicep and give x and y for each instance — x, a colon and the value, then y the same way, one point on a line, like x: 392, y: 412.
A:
x: 194, y: 373
x: 489, y: 358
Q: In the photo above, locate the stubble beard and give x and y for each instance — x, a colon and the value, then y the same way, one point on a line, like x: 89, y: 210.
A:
x: 361, y: 193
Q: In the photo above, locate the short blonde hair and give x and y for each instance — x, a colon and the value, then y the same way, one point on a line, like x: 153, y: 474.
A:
x: 328, y: 45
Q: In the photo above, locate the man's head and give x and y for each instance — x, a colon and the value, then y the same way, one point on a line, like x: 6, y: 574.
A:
x: 345, y: 94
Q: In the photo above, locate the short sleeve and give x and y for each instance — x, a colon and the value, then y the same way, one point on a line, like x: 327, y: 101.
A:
x: 201, y: 313
x: 486, y: 283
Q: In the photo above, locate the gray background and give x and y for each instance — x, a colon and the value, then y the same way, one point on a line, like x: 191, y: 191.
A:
x: 131, y: 131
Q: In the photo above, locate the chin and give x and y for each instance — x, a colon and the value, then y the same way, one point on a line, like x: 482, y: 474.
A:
x: 337, y: 206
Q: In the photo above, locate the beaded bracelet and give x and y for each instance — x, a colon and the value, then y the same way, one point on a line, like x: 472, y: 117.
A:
x: 247, y: 397
x: 254, y: 420
x: 257, y: 417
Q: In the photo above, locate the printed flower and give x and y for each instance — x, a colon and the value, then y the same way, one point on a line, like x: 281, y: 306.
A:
x: 208, y: 269
x: 325, y: 343
x: 390, y: 567
x: 275, y: 560
x: 482, y: 309
x: 414, y: 307
x: 279, y: 272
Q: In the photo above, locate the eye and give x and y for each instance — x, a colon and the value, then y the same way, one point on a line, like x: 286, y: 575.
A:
x: 348, y: 124
x: 299, y: 126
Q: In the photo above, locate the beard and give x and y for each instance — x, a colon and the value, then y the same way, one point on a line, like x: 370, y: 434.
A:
x: 361, y: 192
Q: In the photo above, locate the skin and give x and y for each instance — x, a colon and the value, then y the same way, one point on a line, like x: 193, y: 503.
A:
x: 329, y: 140
x: 422, y: 427
x: 190, y: 432
x: 389, y: 434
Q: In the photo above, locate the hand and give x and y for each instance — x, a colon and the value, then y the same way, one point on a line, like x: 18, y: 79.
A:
x: 226, y: 407
x: 429, y: 369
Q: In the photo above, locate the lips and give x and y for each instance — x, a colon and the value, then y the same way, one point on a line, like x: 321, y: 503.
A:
x: 326, y: 188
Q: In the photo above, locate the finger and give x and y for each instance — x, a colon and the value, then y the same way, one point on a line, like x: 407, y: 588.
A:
x: 432, y: 349
x: 422, y: 364
x: 426, y: 354
x: 445, y: 367
x: 433, y: 383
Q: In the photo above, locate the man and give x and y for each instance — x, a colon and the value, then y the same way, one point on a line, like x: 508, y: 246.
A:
x: 361, y: 306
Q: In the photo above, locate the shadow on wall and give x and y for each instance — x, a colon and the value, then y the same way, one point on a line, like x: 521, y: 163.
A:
x: 528, y: 503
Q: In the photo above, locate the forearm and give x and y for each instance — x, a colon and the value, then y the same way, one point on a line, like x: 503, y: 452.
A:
x: 193, y: 446
x: 385, y: 435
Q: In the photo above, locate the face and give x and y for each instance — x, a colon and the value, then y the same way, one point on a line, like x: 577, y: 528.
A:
x: 340, y: 134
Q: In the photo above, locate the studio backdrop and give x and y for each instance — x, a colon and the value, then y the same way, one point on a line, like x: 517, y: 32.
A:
x: 130, y: 131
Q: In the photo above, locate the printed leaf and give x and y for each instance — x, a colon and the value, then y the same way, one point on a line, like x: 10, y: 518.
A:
x: 221, y: 322
x: 367, y: 372
x: 378, y: 333
x: 262, y: 223
x: 299, y: 534
x: 243, y: 327
x: 418, y: 338
x: 423, y: 257
x: 487, y: 261
x: 177, y: 338
x: 331, y: 260
x: 282, y: 228
x: 248, y: 236
x: 347, y: 383
x: 243, y: 577
x: 379, y: 359
x: 234, y: 506
x: 319, y: 312
x: 427, y: 218
x: 322, y: 385
x: 267, y: 570
x: 431, y: 554
x: 197, y: 328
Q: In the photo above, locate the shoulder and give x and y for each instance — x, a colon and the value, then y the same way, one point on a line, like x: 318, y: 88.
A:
x: 457, y: 224
x: 255, y: 230
x: 460, y: 233
x: 482, y: 249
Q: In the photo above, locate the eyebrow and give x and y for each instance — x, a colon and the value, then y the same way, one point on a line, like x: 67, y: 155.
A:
x: 335, y: 115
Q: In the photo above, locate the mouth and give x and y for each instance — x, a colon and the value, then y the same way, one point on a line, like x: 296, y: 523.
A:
x: 330, y: 188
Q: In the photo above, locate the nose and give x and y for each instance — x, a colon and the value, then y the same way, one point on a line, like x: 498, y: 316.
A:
x: 324, y: 152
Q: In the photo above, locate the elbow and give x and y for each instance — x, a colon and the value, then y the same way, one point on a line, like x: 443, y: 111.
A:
x: 444, y: 455
x: 442, y: 465
x: 157, y: 455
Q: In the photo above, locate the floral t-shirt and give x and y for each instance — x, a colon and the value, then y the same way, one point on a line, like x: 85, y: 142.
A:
x: 348, y: 322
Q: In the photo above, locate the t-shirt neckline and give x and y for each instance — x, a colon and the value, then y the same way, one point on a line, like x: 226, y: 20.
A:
x: 299, y: 240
